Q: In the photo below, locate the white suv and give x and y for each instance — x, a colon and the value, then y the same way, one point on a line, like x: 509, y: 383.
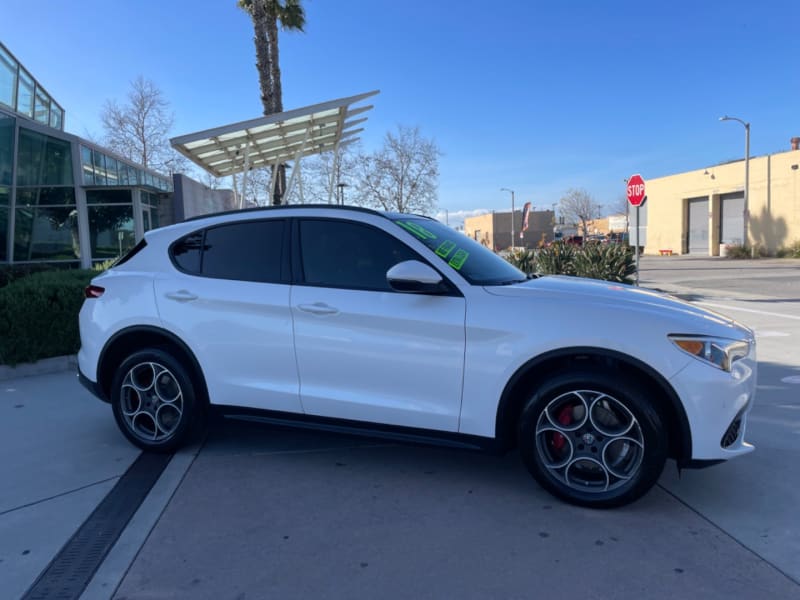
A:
x: 395, y: 325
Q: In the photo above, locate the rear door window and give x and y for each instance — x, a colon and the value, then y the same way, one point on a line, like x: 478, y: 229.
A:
x: 243, y: 251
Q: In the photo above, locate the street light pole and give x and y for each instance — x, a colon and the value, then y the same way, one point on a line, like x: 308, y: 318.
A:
x: 512, y: 215
x: 341, y: 186
x: 746, y: 213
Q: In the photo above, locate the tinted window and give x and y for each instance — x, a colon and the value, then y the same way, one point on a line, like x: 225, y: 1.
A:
x: 349, y: 255
x: 246, y: 251
x: 251, y: 251
x: 186, y: 253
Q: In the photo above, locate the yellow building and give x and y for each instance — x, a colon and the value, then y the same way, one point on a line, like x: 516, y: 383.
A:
x: 702, y: 211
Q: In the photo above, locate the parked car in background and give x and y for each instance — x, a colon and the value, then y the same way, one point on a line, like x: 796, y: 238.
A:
x: 396, y: 325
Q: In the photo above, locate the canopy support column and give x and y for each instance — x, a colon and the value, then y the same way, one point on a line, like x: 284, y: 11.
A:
x: 297, y: 158
x: 244, y: 173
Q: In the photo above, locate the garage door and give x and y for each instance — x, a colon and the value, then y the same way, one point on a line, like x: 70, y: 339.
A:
x: 698, y: 226
x: 731, y: 223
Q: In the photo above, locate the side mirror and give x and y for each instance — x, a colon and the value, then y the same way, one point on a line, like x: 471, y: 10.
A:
x: 415, y: 277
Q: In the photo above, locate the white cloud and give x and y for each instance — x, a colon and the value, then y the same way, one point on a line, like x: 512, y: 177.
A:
x: 456, y: 217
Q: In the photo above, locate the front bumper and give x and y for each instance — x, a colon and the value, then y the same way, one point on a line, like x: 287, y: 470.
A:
x: 717, y: 404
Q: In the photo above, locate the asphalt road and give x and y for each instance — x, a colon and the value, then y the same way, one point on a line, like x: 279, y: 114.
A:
x: 263, y: 512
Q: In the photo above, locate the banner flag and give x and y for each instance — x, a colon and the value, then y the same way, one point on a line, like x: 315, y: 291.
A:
x: 526, y: 211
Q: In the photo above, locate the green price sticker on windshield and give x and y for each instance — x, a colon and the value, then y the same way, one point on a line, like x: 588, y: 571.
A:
x: 445, y: 248
x: 417, y: 229
x: 458, y: 260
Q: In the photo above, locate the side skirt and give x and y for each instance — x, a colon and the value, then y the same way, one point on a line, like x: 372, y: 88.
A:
x: 373, y: 430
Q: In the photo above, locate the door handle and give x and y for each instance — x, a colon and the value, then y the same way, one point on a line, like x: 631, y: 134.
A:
x: 181, y: 296
x: 318, y: 308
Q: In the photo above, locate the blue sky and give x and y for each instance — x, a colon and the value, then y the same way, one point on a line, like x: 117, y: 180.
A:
x: 534, y: 96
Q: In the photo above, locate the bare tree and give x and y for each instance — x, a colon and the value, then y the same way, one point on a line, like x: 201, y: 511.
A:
x: 618, y: 206
x: 402, y: 176
x: 139, y: 128
x: 210, y: 181
x: 324, y: 177
x: 579, y: 206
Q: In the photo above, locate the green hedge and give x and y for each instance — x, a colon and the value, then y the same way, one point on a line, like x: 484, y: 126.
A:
x: 9, y: 273
x: 39, y: 315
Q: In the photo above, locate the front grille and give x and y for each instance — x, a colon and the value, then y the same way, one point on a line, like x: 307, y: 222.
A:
x: 732, y: 433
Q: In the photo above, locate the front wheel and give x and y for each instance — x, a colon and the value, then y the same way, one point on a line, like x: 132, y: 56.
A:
x: 593, y: 439
x: 154, y: 400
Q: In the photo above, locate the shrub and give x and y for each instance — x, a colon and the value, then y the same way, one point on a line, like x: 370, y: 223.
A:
x: 556, y: 259
x: 609, y: 262
x: 9, y: 273
x: 524, y: 260
x: 39, y: 315
x: 738, y: 251
x: 792, y: 251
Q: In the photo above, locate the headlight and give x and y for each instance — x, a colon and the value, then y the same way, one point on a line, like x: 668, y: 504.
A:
x: 719, y: 352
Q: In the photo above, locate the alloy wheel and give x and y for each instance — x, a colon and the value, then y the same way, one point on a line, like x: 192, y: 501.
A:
x: 589, y: 441
x: 151, y: 402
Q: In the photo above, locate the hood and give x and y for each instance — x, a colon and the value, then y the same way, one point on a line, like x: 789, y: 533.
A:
x: 578, y: 290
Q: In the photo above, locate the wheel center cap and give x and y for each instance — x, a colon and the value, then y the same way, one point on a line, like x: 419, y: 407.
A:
x: 588, y: 438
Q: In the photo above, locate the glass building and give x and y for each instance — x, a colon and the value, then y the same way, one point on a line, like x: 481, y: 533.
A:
x: 64, y: 199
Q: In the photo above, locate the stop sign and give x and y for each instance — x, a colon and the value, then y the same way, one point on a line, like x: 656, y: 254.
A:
x: 635, y: 191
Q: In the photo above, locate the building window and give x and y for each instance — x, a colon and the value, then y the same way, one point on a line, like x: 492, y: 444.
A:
x: 99, y: 161
x: 5, y: 198
x: 87, y: 167
x: 41, y: 111
x: 8, y: 80
x: 111, y: 229
x: 112, y: 171
x: 46, y: 196
x: 46, y: 233
x: 150, y: 211
x: 46, y: 225
x: 43, y: 160
x: 6, y: 149
x: 108, y: 197
x: 56, y: 116
x: 25, y: 94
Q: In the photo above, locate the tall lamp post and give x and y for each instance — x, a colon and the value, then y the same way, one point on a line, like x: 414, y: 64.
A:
x: 341, y: 187
x: 746, y: 213
x: 512, y: 215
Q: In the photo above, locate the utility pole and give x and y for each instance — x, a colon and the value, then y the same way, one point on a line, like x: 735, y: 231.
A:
x: 512, y: 215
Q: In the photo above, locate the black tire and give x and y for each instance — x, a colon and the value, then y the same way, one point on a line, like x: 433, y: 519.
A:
x: 573, y: 453
x: 155, y: 401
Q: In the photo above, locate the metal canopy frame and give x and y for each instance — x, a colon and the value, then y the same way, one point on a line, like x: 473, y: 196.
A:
x: 275, y: 139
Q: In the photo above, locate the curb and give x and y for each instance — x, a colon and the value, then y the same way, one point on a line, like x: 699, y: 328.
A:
x: 56, y: 364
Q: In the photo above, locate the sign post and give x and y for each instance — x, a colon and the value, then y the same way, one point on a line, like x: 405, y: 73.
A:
x: 635, y: 194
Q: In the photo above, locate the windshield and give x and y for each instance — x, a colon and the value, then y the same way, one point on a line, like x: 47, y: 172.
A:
x: 477, y: 264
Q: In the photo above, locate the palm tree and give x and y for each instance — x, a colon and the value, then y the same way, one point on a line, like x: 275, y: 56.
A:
x: 266, y: 15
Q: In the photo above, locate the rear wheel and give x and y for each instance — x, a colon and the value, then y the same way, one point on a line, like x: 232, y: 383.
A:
x: 154, y: 400
x: 593, y: 439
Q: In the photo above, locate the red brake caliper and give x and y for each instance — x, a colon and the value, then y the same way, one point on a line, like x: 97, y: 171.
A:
x: 565, y: 418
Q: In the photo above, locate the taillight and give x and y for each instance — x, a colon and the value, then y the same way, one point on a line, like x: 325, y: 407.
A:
x: 93, y: 291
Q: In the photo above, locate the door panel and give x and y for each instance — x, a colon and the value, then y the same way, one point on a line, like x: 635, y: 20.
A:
x: 229, y: 301
x: 378, y: 356
x: 364, y: 351
x: 241, y: 333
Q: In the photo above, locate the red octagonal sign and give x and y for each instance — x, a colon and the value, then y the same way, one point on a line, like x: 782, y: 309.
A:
x: 635, y: 191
